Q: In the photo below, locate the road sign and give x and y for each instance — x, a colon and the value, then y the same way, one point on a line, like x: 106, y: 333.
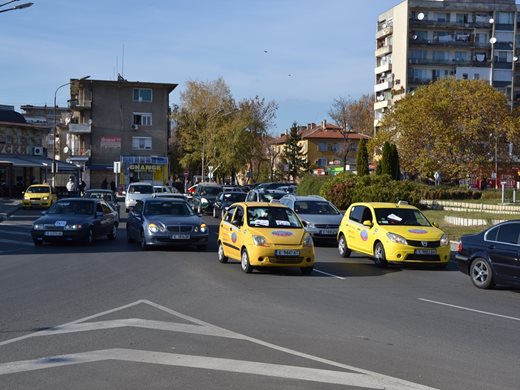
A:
x: 117, y: 166
x: 210, y: 168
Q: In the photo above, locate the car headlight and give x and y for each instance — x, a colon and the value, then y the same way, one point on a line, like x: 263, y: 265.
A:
x: 260, y: 241
x: 307, y: 241
x: 308, y: 224
x: 156, y: 227
x: 444, y: 240
x: 75, y: 226
x: 38, y: 226
x: 397, y: 238
x: 45, y: 198
x: 202, y: 228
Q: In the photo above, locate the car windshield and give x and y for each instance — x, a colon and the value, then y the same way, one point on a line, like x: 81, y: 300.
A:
x: 76, y: 207
x: 100, y: 195
x: 315, y: 207
x: 269, y: 196
x: 167, y: 208
x: 403, y: 217
x: 140, y: 189
x: 234, y: 196
x: 210, y: 191
x: 272, y: 217
x: 38, y: 190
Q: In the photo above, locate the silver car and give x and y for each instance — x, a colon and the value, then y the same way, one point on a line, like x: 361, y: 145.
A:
x: 320, y: 217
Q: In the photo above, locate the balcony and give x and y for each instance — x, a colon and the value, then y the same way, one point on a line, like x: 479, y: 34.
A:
x: 80, y: 152
x: 382, y: 104
x: 384, y: 32
x: 383, y: 86
x: 81, y: 104
x: 80, y: 128
x: 383, y: 69
x: 383, y: 50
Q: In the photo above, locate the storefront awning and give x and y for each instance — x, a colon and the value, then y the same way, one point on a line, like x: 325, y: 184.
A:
x: 37, y: 162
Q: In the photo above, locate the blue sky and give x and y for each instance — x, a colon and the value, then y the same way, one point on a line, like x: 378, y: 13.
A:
x: 317, y: 50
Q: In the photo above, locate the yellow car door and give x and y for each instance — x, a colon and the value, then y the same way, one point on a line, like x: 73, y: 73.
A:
x: 353, y: 226
x: 228, y: 235
x: 367, y: 232
x: 238, y: 232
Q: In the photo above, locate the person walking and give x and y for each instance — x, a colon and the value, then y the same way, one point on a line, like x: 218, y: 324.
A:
x: 71, y: 187
x: 104, y: 184
x: 81, y: 187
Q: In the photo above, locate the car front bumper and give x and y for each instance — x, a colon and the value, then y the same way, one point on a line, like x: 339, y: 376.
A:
x: 408, y: 254
x: 59, y: 235
x: 270, y: 256
x: 177, y: 239
x: 37, y: 203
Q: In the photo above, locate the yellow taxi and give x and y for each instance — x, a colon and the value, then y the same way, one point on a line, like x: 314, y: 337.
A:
x: 261, y: 234
x: 39, y: 195
x: 392, y: 233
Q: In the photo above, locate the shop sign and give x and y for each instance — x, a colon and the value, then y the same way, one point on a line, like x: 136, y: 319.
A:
x: 110, y: 142
x: 144, y: 167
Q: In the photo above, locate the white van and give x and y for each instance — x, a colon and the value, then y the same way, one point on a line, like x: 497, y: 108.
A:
x: 137, y: 191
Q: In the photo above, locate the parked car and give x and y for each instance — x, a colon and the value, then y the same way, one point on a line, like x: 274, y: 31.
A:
x: 392, y: 233
x: 226, y: 199
x: 158, y: 221
x: 205, y: 196
x: 271, y: 185
x: 320, y: 217
x: 264, y: 195
x: 491, y: 257
x: 264, y: 235
x: 39, y: 195
x: 290, y: 189
x: 76, y: 219
x: 107, y: 195
x: 170, y: 195
x: 160, y: 189
x: 135, y: 191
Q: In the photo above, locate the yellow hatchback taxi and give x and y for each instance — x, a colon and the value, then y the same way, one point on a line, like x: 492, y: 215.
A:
x: 392, y: 233
x: 263, y: 234
x: 39, y: 195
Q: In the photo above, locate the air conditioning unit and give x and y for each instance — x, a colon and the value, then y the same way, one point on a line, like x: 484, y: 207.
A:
x: 134, y: 127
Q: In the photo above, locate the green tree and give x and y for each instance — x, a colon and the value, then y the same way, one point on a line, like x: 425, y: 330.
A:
x: 451, y: 126
x: 293, y: 155
x: 386, y: 168
x: 395, y: 169
x: 362, y: 158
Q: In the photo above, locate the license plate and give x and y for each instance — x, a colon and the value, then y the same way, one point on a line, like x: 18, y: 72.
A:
x: 180, y: 236
x: 425, y: 252
x: 53, y: 233
x: 286, y: 252
x: 329, y: 232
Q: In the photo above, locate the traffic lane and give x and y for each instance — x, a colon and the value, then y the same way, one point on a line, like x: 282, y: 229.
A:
x: 15, y: 231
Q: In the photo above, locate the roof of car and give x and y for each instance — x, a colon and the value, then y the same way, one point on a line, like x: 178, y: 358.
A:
x: 98, y: 190
x: 383, y: 205
x: 141, y: 183
x: 306, y: 197
x: 260, y: 204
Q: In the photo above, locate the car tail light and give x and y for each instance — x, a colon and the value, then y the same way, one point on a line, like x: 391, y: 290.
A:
x: 459, y: 249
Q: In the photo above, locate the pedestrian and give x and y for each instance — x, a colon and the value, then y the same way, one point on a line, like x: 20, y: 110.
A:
x: 113, y: 186
x: 71, y: 187
x: 81, y: 187
x: 104, y: 184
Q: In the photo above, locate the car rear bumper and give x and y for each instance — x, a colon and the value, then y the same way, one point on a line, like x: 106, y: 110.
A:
x: 463, y: 263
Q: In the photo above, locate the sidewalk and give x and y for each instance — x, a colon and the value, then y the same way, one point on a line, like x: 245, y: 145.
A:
x: 8, y: 206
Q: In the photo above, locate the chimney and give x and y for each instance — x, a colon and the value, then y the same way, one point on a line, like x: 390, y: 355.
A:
x: 324, y: 124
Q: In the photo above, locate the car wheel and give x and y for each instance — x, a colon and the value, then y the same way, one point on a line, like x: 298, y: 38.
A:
x: 307, y: 270
x: 89, y: 239
x: 481, y: 273
x: 142, y: 241
x: 221, y: 256
x: 244, y: 262
x: 343, y: 247
x: 379, y: 255
x: 113, y: 234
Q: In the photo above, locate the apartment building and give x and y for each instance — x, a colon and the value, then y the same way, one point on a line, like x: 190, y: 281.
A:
x: 123, y: 122
x: 420, y: 41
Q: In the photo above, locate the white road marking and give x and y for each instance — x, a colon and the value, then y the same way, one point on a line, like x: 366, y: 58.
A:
x: 16, y: 242
x: 359, y: 377
x: 25, y: 234
x: 12, y: 222
x: 468, y: 309
x: 326, y: 273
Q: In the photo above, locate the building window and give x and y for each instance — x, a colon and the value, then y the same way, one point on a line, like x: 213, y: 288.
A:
x: 141, y: 143
x: 142, y: 119
x: 322, y: 147
x: 505, y: 18
x: 142, y: 95
x: 322, y: 162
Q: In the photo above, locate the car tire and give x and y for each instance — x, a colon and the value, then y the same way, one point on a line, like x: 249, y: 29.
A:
x: 481, y: 273
x: 343, y: 247
x: 307, y: 270
x: 142, y: 241
x: 113, y: 234
x: 380, y: 256
x: 244, y: 262
x: 89, y: 238
x: 220, y: 251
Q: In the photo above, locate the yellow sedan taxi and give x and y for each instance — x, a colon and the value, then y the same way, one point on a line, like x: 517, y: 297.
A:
x: 392, y: 233
x: 260, y: 234
x: 39, y: 195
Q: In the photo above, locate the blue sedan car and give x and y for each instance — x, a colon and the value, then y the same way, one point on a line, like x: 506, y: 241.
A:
x: 163, y: 221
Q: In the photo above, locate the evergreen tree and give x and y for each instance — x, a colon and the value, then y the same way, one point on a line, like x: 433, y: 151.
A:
x: 292, y: 155
x: 394, y: 162
x: 385, y: 162
x: 362, y: 158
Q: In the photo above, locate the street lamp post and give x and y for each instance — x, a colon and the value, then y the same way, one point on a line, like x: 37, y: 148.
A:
x: 55, y: 133
x: 492, y: 41
x: 21, y: 6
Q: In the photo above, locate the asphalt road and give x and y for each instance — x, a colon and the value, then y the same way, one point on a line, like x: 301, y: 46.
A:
x: 110, y: 316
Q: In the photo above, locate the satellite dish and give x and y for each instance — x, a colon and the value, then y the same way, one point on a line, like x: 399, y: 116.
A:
x: 66, y: 149
x: 492, y: 40
x: 420, y: 16
x: 491, y: 21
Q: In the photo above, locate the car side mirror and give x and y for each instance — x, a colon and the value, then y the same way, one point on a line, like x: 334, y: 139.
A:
x: 435, y: 224
x: 368, y: 223
x: 305, y: 223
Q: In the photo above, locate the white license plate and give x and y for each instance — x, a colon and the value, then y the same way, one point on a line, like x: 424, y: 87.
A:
x: 329, y: 232
x: 425, y: 252
x: 286, y: 252
x: 53, y: 233
x: 180, y: 236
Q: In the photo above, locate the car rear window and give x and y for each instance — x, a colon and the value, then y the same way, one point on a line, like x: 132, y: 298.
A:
x: 141, y: 189
x: 314, y: 207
